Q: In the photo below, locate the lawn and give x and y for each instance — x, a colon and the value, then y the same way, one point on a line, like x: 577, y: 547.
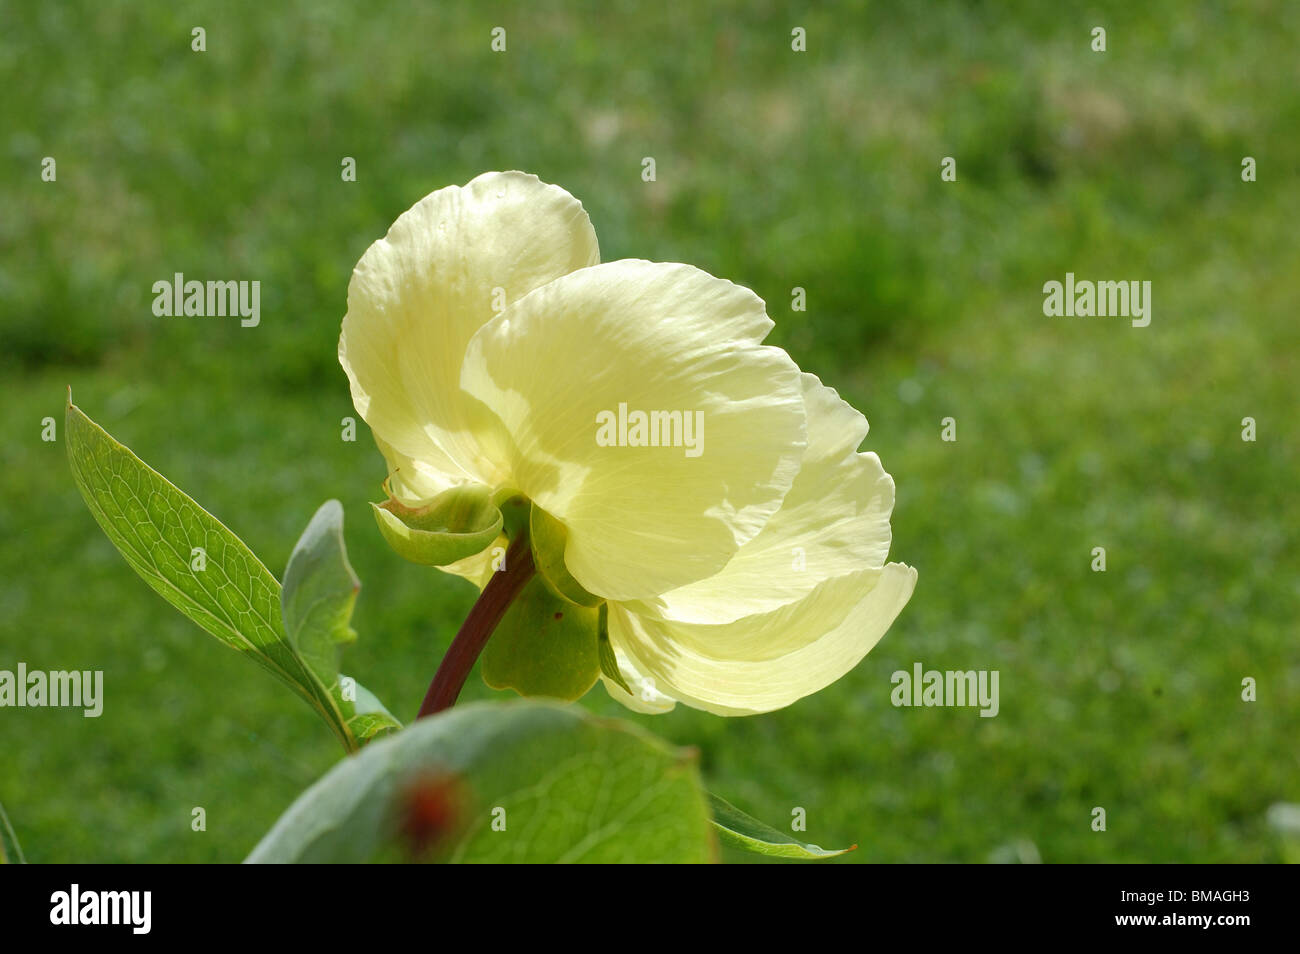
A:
x: 776, y: 169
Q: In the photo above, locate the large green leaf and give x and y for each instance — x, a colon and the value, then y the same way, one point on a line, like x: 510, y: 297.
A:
x: 503, y: 782
x: 11, y: 853
x: 195, y: 563
x: 739, y: 830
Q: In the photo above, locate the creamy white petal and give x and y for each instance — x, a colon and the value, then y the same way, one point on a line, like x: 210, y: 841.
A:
x: 414, y: 482
x: 764, y: 662
x: 644, y: 697
x: 650, y: 337
x: 834, y: 520
x: 420, y: 293
x: 478, y: 569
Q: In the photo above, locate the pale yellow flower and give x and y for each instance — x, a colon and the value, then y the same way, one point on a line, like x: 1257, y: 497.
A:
x: 739, y: 578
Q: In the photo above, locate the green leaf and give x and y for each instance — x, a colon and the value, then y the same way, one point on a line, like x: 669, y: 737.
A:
x: 739, y: 830
x: 548, y: 538
x: 503, y: 782
x: 456, y: 524
x: 543, y: 646
x: 605, y: 651
x: 320, y: 590
x: 193, y: 561
x: 367, y: 717
x: 11, y: 853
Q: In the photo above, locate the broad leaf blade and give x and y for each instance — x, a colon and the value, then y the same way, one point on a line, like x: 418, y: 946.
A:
x: 739, y: 830
x: 156, y: 528
x: 561, y: 784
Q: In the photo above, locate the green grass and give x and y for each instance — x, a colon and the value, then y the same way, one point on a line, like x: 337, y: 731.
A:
x: 775, y: 169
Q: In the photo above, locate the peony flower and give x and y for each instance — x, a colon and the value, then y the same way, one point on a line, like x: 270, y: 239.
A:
x: 686, y: 477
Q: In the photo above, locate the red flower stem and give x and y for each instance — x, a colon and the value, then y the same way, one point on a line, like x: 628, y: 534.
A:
x: 492, y: 604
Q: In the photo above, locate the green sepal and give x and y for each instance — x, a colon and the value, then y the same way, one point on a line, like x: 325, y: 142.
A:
x: 548, y: 537
x: 515, y: 509
x: 543, y: 646
x: 456, y: 524
x: 606, y: 654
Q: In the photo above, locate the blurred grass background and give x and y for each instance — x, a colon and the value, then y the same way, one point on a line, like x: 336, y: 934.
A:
x: 775, y: 169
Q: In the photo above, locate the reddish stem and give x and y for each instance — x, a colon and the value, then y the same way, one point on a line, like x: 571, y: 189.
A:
x: 492, y: 604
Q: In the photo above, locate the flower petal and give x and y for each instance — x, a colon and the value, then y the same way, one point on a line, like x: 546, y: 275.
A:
x: 478, y: 569
x: 420, y: 293
x: 834, y: 520
x: 644, y: 697
x: 415, y: 482
x: 764, y: 662
x: 635, y: 336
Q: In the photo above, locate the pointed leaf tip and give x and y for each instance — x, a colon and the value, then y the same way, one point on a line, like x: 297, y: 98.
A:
x: 739, y: 830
